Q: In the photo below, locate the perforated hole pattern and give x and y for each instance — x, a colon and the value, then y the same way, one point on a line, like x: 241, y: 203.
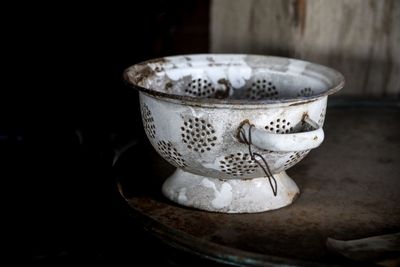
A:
x: 295, y: 157
x: 279, y: 126
x: 306, y: 92
x: 238, y: 164
x: 148, y: 121
x: 169, y: 152
x: 198, y: 135
x: 200, y: 88
x: 262, y: 89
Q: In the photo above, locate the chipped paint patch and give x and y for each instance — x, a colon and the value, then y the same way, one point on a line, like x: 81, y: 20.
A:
x: 223, y: 197
x: 182, y: 195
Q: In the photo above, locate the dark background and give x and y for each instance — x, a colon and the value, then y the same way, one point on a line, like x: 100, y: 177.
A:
x: 66, y: 111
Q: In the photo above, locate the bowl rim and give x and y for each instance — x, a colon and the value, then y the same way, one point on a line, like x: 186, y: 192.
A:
x: 238, y: 103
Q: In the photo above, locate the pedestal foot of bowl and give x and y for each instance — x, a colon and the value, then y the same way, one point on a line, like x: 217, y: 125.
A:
x: 229, y: 195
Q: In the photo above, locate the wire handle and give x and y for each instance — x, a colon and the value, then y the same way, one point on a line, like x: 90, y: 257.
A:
x: 253, y: 155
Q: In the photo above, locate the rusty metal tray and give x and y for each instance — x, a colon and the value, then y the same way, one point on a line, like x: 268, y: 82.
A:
x: 350, y: 188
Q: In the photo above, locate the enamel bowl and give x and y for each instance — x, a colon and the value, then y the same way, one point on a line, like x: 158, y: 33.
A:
x: 232, y: 125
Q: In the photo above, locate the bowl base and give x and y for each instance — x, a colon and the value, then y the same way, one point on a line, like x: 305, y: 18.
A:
x: 229, y: 195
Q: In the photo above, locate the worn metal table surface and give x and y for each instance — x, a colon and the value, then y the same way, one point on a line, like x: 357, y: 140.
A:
x: 350, y: 188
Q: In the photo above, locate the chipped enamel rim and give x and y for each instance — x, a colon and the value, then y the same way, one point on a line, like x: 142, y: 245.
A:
x: 139, y: 72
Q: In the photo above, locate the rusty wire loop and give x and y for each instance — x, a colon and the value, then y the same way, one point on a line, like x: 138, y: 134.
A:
x: 266, y: 169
